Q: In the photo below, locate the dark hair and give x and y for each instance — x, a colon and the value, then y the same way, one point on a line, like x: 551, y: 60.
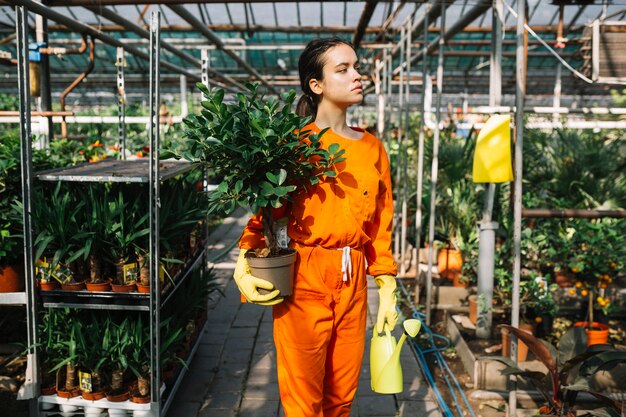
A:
x: 310, y: 66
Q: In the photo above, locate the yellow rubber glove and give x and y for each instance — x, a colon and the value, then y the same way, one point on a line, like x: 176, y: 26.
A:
x: 386, y: 302
x: 249, y: 284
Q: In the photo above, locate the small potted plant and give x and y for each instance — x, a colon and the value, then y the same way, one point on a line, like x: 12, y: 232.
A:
x: 258, y: 149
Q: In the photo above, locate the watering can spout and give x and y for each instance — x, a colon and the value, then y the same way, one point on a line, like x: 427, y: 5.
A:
x: 385, y: 368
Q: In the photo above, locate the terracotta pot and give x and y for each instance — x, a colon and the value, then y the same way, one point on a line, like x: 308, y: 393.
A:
x: 12, y: 278
x: 118, y: 398
x: 279, y: 270
x: 93, y: 396
x: 564, y: 279
x: 522, y: 349
x: 48, y: 390
x: 144, y: 289
x: 48, y: 285
x: 73, y: 286
x: 68, y: 394
x: 449, y: 263
x: 473, y: 308
x: 98, y: 286
x: 597, y: 335
x: 140, y: 400
x: 123, y: 287
x: 459, y: 281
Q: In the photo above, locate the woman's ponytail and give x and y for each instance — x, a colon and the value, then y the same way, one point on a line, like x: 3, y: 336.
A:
x: 307, y: 106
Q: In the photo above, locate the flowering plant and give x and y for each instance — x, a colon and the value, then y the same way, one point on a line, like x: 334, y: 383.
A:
x: 596, y: 258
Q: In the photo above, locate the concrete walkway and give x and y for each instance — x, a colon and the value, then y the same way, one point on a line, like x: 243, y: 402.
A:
x: 234, y: 370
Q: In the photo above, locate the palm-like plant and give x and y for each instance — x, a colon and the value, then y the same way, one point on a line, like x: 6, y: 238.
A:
x: 55, y: 218
x: 92, y: 343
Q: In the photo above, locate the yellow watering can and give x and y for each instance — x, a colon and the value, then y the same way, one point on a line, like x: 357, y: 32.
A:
x: 385, y: 369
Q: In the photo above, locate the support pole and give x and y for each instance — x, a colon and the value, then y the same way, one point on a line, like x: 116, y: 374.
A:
x: 420, y: 172
x: 435, y: 166
x: 405, y: 160
x: 184, y: 106
x: 121, y: 104
x: 154, y: 184
x: 520, y: 91
x: 398, y: 243
x: 45, y: 94
x: 486, y: 227
x: 31, y: 383
x: 556, y: 101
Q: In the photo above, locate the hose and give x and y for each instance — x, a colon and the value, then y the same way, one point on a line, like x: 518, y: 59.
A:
x: 440, y: 361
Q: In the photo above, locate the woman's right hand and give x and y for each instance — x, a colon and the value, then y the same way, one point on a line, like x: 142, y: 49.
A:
x: 249, y: 284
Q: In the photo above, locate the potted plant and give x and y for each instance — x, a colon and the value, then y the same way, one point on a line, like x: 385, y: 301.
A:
x: 258, y: 149
x: 91, y: 350
x: 59, y: 233
x: 118, y: 357
x: 98, y: 224
x: 129, y: 222
x: 596, y: 259
x: 63, y: 343
x: 570, y: 371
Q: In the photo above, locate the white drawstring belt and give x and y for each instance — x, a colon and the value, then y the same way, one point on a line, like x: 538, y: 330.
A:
x: 346, y: 262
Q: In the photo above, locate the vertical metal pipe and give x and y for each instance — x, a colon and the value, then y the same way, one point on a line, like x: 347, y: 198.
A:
x: 45, y: 94
x: 435, y: 163
x: 184, y: 106
x: 556, y: 101
x: 121, y: 105
x: 154, y: 184
x: 398, y: 219
x: 420, y: 169
x: 520, y: 91
x: 32, y: 370
x: 380, y: 107
x: 405, y: 160
x: 487, y: 228
x: 205, y: 60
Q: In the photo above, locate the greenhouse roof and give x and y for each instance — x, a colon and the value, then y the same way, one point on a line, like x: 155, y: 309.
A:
x: 269, y: 36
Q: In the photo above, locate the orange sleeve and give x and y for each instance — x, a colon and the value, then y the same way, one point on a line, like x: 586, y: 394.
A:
x: 378, y: 251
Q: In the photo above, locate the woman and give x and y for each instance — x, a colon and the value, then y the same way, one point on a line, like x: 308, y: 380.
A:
x: 341, y: 230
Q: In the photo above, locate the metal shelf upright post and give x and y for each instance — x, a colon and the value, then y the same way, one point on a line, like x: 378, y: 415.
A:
x: 31, y: 383
x: 154, y: 183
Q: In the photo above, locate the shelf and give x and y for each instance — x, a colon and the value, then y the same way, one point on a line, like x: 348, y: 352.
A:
x: 96, y: 300
x: 13, y: 298
x: 113, y: 170
x: 107, y: 300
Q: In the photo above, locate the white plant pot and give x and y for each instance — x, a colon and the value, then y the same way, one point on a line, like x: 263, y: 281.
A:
x: 143, y: 413
x: 68, y: 410
x: 114, y: 412
x: 93, y: 411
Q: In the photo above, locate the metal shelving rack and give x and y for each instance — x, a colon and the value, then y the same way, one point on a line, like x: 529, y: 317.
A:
x: 150, y: 172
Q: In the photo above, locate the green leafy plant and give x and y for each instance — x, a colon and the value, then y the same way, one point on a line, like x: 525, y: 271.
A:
x: 570, y: 370
x: 258, y: 150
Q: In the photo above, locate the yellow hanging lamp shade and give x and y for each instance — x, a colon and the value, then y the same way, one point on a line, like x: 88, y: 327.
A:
x: 492, y: 157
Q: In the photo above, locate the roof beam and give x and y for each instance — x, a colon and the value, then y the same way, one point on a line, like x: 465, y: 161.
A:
x: 211, y: 36
x: 460, y: 24
x: 127, y: 24
x: 89, y: 30
x: 364, y: 21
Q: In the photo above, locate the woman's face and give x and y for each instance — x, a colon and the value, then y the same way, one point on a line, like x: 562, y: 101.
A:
x: 341, y: 84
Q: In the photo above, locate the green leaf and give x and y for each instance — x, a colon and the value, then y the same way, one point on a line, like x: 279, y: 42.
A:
x: 330, y: 173
x: 282, y: 176
x: 273, y: 179
x: 222, y: 187
x: 333, y: 148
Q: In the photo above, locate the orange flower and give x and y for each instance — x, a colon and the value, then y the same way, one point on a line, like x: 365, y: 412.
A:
x: 140, y: 154
x: 538, y: 319
x: 578, y: 284
x: 584, y: 293
x: 575, y: 269
x: 97, y: 144
x: 572, y: 291
x: 115, y: 148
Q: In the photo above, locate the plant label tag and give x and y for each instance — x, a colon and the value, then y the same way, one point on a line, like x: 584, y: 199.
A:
x: 281, y: 233
x: 131, y: 272
x: 84, y: 379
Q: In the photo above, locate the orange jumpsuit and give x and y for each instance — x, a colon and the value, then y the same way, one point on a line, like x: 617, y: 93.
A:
x: 319, y: 331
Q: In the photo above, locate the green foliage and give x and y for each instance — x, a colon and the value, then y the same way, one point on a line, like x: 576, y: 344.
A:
x: 257, y: 149
x: 570, y: 371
